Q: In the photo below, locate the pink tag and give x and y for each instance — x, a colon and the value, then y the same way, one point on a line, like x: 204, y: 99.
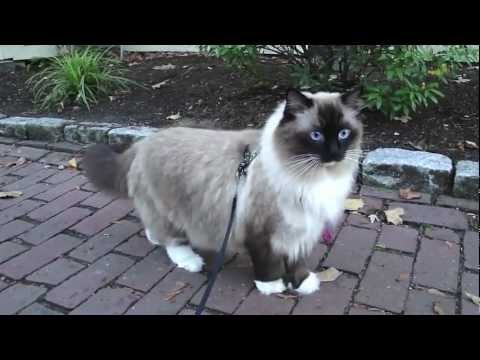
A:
x: 327, y: 236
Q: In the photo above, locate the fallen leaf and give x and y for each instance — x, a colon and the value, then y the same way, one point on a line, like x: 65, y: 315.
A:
x: 461, y: 80
x: 437, y: 309
x: 409, y: 194
x: 403, y: 119
x: 286, y: 296
x: 403, y: 276
x: 475, y: 299
x: 160, y: 84
x: 331, y: 274
x: 177, y: 291
x: 470, y: 145
x: 72, y: 163
x: 373, y: 218
x: 393, y: 216
x: 10, y: 194
x: 435, y: 292
x: 18, y: 162
x: 353, y: 204
x: 174, y: 116
x: 61, y: 167
x: 164, y: 67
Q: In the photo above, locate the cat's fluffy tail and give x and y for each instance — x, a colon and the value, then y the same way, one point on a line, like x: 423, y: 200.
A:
x: 107, y: 168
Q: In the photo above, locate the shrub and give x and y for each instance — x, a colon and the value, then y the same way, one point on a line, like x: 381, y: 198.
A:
x: 80, y: 75
x: 397, y: 79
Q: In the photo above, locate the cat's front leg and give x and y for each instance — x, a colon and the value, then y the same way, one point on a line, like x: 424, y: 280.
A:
x: 269, y: 268
x: 301, y: 278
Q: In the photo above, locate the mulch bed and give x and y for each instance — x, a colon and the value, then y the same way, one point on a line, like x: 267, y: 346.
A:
x: 205, y: 93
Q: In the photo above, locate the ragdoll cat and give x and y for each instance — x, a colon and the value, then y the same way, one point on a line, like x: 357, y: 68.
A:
x: 182, y: 182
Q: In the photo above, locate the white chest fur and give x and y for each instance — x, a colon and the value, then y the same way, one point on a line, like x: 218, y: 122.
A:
x: 306, y: 211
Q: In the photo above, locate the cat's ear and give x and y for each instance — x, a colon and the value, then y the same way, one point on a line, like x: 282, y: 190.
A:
x: 296, y: 103
x: 353, y: 99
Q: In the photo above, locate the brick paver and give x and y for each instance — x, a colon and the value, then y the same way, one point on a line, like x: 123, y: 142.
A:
x: 425, y: 214
x: 383, y: 285
x: 104, y: 217
x: 58, y: 205
x: 9, y: 249
x: 13, y: 229
x: 147, y: 272
x: 38, y: 256
x: 18, y: 296
x: 136, y: 246
x: 351, y: 249
x: 66, y: 248
x: 471, y: 248
x: 19, y: 210
x: 420, y: 302
x: 399, y: 238
x: 437, y: 265
x: 108, y: 301
x: 78, y: 288
x: 105, y: 241
x: 258, y: 304
x: 55, y: 225
x: 332, y: 299
x: 170, y: 295
x: 39, y: 309
x: 55, y: 272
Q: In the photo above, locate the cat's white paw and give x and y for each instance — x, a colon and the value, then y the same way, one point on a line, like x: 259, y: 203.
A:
x: 270, y: 287
x: 309, y: 285
x: 150, y: 238
x: 184, y: 257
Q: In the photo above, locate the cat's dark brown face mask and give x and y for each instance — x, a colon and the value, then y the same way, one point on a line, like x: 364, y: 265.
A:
x: 319, y: 130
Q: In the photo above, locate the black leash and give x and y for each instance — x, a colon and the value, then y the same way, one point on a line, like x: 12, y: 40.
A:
x: 220, y: 256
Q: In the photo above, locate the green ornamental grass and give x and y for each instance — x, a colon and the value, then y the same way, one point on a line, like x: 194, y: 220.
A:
x: 81, y: 76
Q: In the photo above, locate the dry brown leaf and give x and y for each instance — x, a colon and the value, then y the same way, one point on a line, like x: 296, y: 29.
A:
x: 393, y: 216
x: 160, y: 84
x: 164, y: 67
x: 475, y: 299
x: 403, y: 276
x: 470, y: 145
x: 435, y: 292
x: 72, y: 163
x: 174, y: 117
x: 409, y: 194
x: 437, y: 309
x: 286, y: 296
x: 373, y: 218
x: 10, y: 194
x: 353, y: 204
x: 331, y: 274
x: 18, y: 162
x: 177, y: 291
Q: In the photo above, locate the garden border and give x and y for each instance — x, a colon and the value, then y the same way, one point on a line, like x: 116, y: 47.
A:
x: 388, y: 168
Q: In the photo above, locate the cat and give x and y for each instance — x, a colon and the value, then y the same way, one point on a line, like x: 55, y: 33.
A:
x: 182, y: 182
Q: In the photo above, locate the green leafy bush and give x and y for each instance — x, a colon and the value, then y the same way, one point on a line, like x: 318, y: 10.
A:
x: 80, y: 76
x: 397, y: 79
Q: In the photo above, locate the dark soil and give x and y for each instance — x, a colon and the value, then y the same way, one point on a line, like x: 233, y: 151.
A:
x: 205, y: 93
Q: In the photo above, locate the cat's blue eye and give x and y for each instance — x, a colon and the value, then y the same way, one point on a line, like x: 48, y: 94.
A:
x: 344, y: 134
x: 316, y: 136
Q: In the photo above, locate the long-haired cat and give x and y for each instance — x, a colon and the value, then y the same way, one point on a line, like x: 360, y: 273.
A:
x: 182, y: 182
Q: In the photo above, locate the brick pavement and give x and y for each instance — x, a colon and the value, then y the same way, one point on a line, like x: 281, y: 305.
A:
x: 67, y: 249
